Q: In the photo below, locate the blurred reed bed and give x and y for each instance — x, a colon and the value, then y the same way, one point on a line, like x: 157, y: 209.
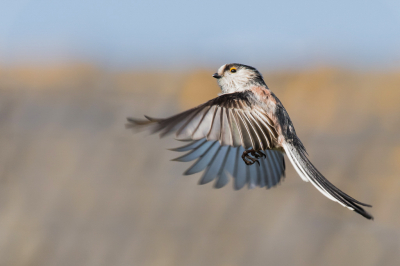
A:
x: 79, y: 189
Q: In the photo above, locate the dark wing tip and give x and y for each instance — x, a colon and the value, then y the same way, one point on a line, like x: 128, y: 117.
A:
x: 149, y: 119
x: 138, y: 122
x: 152, y: 119
x: 134, y: 123
x: 365, y: 214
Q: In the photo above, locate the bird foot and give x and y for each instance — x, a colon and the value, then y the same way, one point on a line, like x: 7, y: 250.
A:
x: 250, y: 160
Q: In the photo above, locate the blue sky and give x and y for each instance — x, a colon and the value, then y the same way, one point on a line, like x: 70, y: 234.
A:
x: 175, y: 33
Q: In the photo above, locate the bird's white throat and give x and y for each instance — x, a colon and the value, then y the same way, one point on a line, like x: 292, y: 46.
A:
x: 242, y: 80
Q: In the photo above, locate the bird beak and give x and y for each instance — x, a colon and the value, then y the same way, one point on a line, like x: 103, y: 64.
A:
x: 216, y: 76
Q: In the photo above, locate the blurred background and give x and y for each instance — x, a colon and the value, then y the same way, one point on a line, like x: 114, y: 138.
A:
x: 77, y: 188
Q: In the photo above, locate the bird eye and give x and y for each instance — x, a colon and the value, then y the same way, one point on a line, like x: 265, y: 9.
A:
x: 233, y: 70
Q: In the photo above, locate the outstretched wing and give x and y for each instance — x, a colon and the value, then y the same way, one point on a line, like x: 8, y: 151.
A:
x: 221, y: 162
x: 231, y: 119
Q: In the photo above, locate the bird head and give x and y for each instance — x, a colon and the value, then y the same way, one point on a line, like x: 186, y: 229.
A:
x: 237, y: 77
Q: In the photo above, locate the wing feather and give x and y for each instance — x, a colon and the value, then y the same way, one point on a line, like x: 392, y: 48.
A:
x: 262, y: 175
x: 226, y: 134
x: 175, y: 122
x: 195, y: 153
x: 252, y: 178
x: 236, y: 136
x: 197, y: 130
x: 267, y: 122
x: 231, y: 119
x: 204, y: 158
x: 192, y: 145
x: 247, y: 140
x: 264, y: 140
x: 254, y: 132
x: 215, y: 129
x: 222, y: 162
x: 213, y: 167
x: 274, y: 169
x: 240, y: 170
x: 222, y: 177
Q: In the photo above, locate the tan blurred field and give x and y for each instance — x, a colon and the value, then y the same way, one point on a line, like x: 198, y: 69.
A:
x: 77, y: 188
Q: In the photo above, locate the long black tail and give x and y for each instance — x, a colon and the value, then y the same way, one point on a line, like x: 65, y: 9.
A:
x: 308, y: 172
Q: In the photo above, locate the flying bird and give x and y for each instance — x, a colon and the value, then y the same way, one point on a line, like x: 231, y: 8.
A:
x: 243, y: 133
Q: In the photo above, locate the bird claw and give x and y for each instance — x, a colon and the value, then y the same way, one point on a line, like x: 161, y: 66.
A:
x: 248, y: 160
x: 258, y: 154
